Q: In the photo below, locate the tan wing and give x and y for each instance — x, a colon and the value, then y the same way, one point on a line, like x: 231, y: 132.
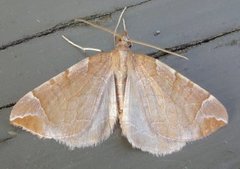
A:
x: 77, y: 107
x: 163, y: 110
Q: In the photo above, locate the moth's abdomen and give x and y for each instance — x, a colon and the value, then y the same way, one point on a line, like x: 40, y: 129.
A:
x: 120, y: 72
x: 120, y: 88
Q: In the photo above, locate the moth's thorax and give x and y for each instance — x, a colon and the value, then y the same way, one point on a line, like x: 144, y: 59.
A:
x: 120, y: 59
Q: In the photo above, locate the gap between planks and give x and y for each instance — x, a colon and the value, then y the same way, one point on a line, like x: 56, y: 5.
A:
x: 67, y: 24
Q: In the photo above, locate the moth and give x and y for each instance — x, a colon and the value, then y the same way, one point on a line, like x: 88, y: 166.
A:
x: 159, y: 110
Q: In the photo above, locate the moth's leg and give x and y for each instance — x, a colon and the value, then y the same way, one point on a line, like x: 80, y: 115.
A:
x: 124, y: 25
x: 80, y: 47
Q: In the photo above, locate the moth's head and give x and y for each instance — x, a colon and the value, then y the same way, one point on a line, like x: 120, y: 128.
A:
x: 123, y: 41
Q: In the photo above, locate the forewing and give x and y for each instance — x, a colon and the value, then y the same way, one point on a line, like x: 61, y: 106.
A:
x: 163, y: 110
x: 77, y: 107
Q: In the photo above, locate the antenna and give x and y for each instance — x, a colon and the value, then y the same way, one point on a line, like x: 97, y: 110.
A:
x: 119, y: 20
x: 130, y: 40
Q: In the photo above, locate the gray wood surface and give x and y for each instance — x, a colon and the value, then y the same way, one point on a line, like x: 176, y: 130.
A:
x: 214, y: 64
